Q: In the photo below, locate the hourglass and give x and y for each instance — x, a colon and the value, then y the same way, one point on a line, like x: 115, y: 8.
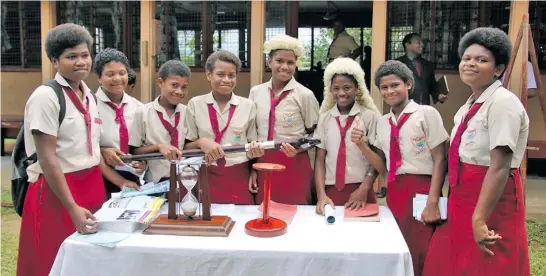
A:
x: 188, y: 176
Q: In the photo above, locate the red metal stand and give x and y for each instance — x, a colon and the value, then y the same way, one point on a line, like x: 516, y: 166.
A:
x: 266, y: 227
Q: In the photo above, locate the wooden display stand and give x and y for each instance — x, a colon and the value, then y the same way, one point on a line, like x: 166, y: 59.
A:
x: 179, y: 225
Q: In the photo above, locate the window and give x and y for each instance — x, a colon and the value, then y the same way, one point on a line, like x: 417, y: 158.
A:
x: 537, y: 20
x: 113, y: 24
x: 275, y: 18
x: 21, y: 37
x: 230, y: 22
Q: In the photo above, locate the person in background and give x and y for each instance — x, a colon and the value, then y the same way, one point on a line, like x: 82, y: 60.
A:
x: 532, y: 89
x: 347, y: 107
x: 131, y: 80
x: 65, y: 185
x: 116, y: 110
x: 485, y: 233
x: 411, y: 138
x: 343, y: 44
x: 423, y: 71
x: 285, y: 110
x: 221, y: 117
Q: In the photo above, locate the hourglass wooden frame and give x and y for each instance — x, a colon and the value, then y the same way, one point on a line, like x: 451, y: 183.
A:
x: 205, y: 225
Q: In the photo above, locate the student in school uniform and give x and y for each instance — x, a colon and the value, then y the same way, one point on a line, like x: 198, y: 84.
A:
x: 486, y: 211
x: 411, y: 138
x: 159, y: 125
x: 65, y: 185
x: 116, y: 110
x: 227, y: 119
x: 285, y: 110
x: 340, y: 167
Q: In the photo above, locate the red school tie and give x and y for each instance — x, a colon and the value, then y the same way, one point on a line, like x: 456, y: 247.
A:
x: 173, y: 132
x: 83, y: 110
x: 274, y: 103
x: 417, y: 64
x: 395, y: 154
x: 216, y: 129
x: 453, y: 156
x: 342, y: 153
x: 123, y: 131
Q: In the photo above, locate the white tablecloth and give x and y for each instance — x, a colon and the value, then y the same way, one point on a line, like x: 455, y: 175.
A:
x: 310, y: 247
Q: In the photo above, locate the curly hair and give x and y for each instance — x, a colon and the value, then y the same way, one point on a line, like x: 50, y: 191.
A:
x: 493, y: 39
x: 66, y: 36
x: 408, y: 38
x: 394, y: 67
x: 110, y: 55
x: 131, y: 76
x: 174, y: 67
x: 224, y: 56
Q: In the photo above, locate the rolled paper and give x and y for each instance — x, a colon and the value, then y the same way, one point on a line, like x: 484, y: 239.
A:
x: 329, y: 214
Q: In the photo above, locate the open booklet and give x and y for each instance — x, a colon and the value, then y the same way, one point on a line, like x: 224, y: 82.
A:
x: 420, y: 202
x: 127, y: 215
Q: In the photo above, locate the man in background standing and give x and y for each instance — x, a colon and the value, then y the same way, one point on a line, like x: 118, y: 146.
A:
x: 343, y: 45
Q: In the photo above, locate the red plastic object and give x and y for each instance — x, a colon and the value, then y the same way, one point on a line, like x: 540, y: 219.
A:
x: 266, y: 227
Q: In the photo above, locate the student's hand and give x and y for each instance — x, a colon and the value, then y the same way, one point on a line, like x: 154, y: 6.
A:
x: 170, y: 152
x: 431, y: 214
x: 357, y: 199
x: 82, y: 218
x: 323, y: 200
x: 358, y: 134
x: 111, y: 156
x: 289, y: 150
x: 130, y: 184
x: 442, y: 97
x: 255, y: 150
x: 253, y: 181
x: 213, y: 151
x: 484, y: 237
x: 139, y: 166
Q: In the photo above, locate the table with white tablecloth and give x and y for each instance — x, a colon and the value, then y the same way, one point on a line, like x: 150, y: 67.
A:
x: 310, y: 247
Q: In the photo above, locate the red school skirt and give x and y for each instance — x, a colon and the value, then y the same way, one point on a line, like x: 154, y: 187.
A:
x: 291, y: 186
x: 507, y: 219
x: 341, y: 197
x: 229, y: 185
x: 400, y: 201
x: 46, y: 224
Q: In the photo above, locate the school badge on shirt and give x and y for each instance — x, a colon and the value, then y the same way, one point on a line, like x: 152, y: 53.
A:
x: 470, y: 135
x: 236, y: 134
x: 288, y: 119
x: 418, y: 142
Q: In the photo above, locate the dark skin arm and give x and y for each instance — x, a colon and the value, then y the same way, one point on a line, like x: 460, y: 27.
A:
x: 170, y: 152
x: 46, y: 149
x: 431, y: 214
x: 320, y: 175
x: 359, y: 198
x: 492, y: 189
x: 114, y: 177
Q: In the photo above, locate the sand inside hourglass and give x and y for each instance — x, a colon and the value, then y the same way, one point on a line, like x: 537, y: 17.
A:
x: 189, y: 203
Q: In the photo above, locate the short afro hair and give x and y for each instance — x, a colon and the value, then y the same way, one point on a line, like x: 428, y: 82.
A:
x: 224, y: 56
x: 131, y: 75
x: 493, y: 39
x: 66, y: 36
x: 110, y: 55
x: 408, y: 38
x: 174, y: 67
x: 394, y: 67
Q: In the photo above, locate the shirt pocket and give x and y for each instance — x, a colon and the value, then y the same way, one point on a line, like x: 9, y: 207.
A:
x: 236, y: 135
x: 474, y: 133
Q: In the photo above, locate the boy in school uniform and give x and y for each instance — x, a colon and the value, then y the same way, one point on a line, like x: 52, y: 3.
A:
x: 340, y: 174
x: 116, y: 110
x: 227, y: 119
x: 411, y: 138
x: 65, y: 184
x: 485, y: 232
x: 285, y: 110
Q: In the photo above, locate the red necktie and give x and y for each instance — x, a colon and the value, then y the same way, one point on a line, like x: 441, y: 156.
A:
x: 85, y: 111
x: 342, y: 153
x: 216, y: 129
x: 395, y: 155
x: 123, y: 131
x: 453, y: 157
x: 274, y: 104
x: 173, y: 132
x: 417, y: 66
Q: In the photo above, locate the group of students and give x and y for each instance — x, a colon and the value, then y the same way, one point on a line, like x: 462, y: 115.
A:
x: 409, y: 143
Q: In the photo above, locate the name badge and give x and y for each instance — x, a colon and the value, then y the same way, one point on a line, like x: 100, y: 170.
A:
x: 98, y: 121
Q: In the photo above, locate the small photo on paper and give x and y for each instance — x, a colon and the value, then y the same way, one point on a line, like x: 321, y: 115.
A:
x: 129, y: 215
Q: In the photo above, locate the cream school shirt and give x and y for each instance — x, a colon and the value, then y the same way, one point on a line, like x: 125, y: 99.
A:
x: 42, y: 114
x: 110, y: 128
x: 500, y: 121
x: 423, y: 131
x: 297, y: 111
x: 241, y: 130
x: 148, y: 130
x: 328, y: 132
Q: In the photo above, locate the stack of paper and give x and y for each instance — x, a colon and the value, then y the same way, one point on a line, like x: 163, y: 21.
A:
x: 420, y: 202
x: 128, y: 214
x: 101, y: 238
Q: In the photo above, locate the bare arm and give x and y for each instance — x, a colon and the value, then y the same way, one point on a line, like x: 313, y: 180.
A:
x: 145, y: 149
x: 438, y: 174
x: 375, y: 157
x: 493, y: 183
x: 320, y: 172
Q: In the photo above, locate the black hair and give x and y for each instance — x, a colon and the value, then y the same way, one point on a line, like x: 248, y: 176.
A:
x: 493, y: 39
x: 394, y: 67
x: 224, y: 56
x: 131, y: 76
x: 66, y: 36
x: 408, y: 38
x: 110, y: 55
x: 174, y: 67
